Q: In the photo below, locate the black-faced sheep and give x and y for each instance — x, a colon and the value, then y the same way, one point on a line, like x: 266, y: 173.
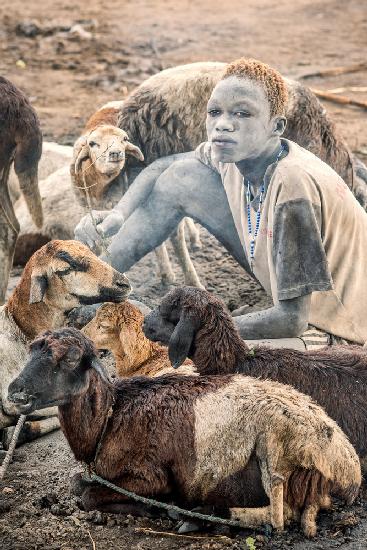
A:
x: 60, y: 276
x: 21, y: 143
x: 118, y: 328
x: 100, y: 155
x: 196, y: 324
x: 202, y: 439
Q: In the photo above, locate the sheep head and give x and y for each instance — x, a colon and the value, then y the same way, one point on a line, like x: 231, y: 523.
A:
x: 118, y: 328
x: 106, y: 147
x: 67, y: 274
x: 55, y: 372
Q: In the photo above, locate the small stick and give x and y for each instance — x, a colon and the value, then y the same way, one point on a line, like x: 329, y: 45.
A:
x: 341, y: 99
x: 169, y: 534
x: 336, y: 71
x: 361, y: 89
x: 90, y: 536
x: 12, y: 445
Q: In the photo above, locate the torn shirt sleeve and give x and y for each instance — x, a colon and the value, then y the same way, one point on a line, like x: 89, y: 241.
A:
x: 299, y: 256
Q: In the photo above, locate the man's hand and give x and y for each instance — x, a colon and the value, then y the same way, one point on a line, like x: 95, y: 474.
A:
x: 85, y: 231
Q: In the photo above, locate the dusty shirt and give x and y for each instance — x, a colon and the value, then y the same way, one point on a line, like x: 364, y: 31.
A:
x: 312, y: 237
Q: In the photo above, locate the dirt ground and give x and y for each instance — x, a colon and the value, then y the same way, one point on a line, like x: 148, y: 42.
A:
x: 68, y: 71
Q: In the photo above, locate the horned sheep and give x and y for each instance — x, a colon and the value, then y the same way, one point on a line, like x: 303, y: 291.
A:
x: 195, y: 324
x: 118, y: 328
x: 99, y: 179
x: 231, y: 441
x: 21, y: 144
x: 60, y: 276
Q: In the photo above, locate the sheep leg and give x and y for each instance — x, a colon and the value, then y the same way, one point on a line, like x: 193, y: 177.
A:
x: 194, y: 234
x: 276, y: 503
x: 183, y: 256
x: 9, y: 230
x: 164, y: 265
x: 251, y: 517
x: 308, y: 520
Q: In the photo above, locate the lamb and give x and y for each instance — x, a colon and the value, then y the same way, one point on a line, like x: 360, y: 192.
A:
x: 196, y: 324
x: 99, y: 159
x: 60, y: 276
x: 21, y: 143
x: 118, y: 328
x: 231, y: 441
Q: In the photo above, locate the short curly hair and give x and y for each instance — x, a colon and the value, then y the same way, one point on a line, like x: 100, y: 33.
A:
x: 272, y: 81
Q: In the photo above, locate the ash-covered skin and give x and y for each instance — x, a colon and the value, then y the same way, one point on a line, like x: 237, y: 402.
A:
x: 241, y: 130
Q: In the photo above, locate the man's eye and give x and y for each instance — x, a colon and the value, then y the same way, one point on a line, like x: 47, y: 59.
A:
x: 213, y: 112
x: 242, y: 114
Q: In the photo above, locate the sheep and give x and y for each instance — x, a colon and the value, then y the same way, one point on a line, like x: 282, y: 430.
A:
x: 196, y: 324
x: 98, y: 164
x: 220, y: 440
x: 118, y: 328
x: 21, y: 143
x: 60, y: 276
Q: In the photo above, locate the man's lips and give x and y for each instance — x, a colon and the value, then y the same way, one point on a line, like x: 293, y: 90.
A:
x: 223, y: 142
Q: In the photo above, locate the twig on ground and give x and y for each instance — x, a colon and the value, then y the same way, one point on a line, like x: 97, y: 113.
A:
x: 150, y: 531
x: 358, y: 89
x: 91, y: 538
x: 341, y: 99
x: 336, y: 71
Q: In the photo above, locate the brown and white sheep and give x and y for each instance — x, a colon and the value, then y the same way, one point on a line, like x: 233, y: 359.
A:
x: 21, y: 143
x: 59, y: 276
x: 99, y: 159
x: 206, y: 440
x: 118, y: 328
x: 195, y: 324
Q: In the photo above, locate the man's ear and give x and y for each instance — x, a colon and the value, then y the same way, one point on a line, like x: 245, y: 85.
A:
x: 279, y: 125
x: 39, y: 284
x: 181, y: 340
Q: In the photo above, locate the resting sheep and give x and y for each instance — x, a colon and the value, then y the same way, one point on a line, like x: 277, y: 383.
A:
x: 118, y: 328
x: 99, y: 159
x: 220, y: 440
x: 59, y: 276
x: 196, y: 324
x: 21, y: 143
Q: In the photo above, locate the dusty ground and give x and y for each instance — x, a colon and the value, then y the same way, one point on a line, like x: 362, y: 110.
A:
x: 67, y: 75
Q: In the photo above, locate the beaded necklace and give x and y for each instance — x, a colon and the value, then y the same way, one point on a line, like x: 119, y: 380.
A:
x: 253, y: 236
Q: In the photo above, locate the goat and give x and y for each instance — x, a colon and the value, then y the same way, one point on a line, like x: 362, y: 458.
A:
x: 118, y: 328
x: 60, y: 276
x: 21, y: 143
x: 202, y: 439
x: 196, y: 324
x: 98, y: 163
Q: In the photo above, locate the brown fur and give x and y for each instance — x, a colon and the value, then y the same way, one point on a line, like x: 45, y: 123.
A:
x: 153, y: 443
x: 118, y: 328
x: 105, y: 115
x: 21, y: 143
x: 335, y: 377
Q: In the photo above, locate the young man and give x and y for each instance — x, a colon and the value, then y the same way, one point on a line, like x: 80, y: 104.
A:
x: 286, y: 216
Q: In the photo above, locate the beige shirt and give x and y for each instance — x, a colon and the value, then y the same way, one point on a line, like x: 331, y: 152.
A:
x: 312, y: 237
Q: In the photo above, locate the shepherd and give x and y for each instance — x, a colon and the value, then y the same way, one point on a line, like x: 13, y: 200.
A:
x: 282, y: 213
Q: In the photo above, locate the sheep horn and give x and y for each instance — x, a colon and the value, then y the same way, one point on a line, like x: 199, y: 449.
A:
x: 81, y: 152
x: 134, y: 151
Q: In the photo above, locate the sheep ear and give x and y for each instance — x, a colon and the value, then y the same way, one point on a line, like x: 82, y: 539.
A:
x: 181, y: 340
x: 96, y: 365
x: 81, y: 152
x: 39, y: 284
x: 128, y: 339
x: 134, y: 151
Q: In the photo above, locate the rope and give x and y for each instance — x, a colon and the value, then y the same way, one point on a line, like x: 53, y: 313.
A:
x: 170, y: 507
x: 12, y: 445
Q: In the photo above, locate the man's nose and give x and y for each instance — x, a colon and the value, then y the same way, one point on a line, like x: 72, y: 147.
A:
x: 224, y: 124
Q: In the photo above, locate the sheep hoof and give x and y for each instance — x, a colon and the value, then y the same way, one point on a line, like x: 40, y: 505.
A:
x: 168, y: 279
x: 188, y: 527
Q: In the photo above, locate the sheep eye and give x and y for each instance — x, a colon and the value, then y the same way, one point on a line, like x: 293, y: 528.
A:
x: 126, y: 138
x: 62, y: 272
x: 93, y: 144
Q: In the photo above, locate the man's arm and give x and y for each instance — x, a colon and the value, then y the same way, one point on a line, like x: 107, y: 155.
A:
x: 287, y: 319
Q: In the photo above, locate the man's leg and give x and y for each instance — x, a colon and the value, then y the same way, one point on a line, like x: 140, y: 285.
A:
x: 187, y: 187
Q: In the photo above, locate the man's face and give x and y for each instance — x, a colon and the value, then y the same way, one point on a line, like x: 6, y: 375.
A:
x: 238, y: 122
